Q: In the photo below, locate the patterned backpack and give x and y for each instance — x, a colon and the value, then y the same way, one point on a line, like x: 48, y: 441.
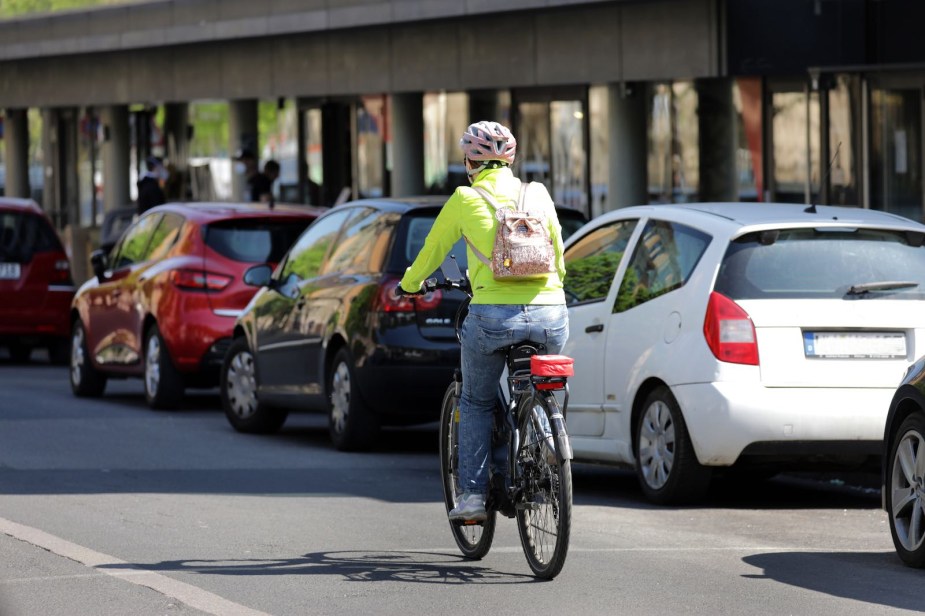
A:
x: 523, y: 247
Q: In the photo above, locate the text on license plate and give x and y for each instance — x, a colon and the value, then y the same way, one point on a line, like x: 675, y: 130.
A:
x: 9, y: 271
x: 855, y: 345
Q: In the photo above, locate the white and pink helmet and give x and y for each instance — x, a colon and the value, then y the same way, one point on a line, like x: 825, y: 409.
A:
x: 487, y: 141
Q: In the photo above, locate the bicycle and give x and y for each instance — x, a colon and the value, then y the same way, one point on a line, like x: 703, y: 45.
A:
x: 536, y: 486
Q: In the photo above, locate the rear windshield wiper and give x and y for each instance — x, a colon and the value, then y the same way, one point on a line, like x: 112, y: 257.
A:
x: 886, y: 285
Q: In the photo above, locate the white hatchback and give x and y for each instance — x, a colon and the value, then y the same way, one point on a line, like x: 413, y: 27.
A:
x: 764, y: 336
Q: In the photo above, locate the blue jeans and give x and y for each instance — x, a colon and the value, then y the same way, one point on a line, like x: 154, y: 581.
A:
x: 487, y: 332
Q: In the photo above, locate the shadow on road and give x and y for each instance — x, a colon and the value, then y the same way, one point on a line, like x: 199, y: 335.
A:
x: 871, y: 577
x: 353, y: 566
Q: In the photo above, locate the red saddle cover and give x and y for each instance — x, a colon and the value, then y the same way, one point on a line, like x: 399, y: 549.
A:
x: 552, y: 365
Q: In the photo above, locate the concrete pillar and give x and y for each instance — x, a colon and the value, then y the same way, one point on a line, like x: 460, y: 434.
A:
x: 717, y: 121
x: 407, y: 144
x: 627, y: 183
x: 336, y: 151
x: 242, y: 132
x: 16, y: 140
x: 484, y: 105
x: 116, y: 154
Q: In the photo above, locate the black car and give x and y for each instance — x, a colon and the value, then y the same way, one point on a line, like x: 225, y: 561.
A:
x: 328, y: 333
x: 903, y: 489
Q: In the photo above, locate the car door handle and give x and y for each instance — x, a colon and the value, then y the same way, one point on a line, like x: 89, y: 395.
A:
x: 597, y: 327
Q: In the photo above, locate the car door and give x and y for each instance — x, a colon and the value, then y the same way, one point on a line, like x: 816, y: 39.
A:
x: 591, y: 264
x: 646, y: 318
x: 114, y: 322
x: 279, y: 331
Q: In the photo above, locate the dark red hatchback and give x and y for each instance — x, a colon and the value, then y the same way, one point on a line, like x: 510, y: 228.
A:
x: 163, y: 302
x: 35, y: 282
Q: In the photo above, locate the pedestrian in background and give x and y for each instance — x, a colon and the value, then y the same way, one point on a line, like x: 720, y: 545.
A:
x: 150, y: 192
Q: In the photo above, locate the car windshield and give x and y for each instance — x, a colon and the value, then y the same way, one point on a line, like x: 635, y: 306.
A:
x: 22, y: 235
x: 824, y: 263
x: 410, y: 236
x: 254, y: 240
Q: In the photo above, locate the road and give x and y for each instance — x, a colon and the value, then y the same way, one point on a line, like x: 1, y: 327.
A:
x: 109, y: 508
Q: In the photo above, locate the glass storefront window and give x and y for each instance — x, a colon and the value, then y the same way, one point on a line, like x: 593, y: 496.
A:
x: 370, y: 146
x: 844, y: 123
x: 896, y: 151
x: 568, y: 154
x: 313, y: 156
x: 532, y: 161
x: 749, y: 149
x: 674, y: 159
x: 278, y: 140
x: 446, y: 116
x: 89, y: 169
x: 599, y: 148
x: 795, y: 145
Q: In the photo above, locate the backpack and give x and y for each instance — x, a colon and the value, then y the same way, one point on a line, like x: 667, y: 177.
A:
x: 523, y: 247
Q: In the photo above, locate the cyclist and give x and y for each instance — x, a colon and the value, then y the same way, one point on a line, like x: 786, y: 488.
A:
x: 502, y: 312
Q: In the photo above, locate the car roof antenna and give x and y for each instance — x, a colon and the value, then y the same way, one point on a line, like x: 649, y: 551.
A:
x: 812, y: 207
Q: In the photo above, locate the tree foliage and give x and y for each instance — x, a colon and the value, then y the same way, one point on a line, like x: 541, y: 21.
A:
x: 17, y: 8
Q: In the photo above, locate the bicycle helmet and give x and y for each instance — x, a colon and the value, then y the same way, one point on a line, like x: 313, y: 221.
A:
x: 484, y: 142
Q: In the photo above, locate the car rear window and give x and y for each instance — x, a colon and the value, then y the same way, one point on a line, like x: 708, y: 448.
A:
x: 824, y: 263
x: 409, y: 240
x: 254, y: 240
x: 23, y: 234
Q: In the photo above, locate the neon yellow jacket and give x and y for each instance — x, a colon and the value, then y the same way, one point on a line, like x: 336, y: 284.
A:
x: 467, y: 213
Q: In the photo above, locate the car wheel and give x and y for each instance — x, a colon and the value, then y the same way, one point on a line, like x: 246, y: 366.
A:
x: 86, y: 380
x: 163, y: 384
x: 352, y: 425
x: 666, y: 465
x: 20, y: 353
x: 905, y: 485
x: 59, y: 352
x: 239, y: 393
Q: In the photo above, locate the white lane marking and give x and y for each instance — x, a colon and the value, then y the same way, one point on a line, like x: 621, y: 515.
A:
x: 193, y: 596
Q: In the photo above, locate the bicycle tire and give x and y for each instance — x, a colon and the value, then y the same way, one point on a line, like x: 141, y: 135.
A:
x: 544, y: 511
x: 474, y: 540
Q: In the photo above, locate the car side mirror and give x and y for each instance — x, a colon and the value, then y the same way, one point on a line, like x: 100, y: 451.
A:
x: 98, y: 263
x: 258, y: 275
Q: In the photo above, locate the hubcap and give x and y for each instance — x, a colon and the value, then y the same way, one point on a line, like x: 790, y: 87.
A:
x: 340, y: 397
x: 656, y: 444
x: 77, y: 356
x: 153, y: 366
x: 908, y: 491
x: 242, y: 385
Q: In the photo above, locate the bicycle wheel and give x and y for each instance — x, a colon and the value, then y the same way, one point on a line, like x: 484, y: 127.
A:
x: 544, y: 511
x: 474, y: 540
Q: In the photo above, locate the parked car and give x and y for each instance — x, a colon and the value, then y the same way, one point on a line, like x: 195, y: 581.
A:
x: 163, y: 302
x: 115, y: 222
x: 903, y: 489
x: 35, y: 283
x: 739, y: 336
x: 326, y: 332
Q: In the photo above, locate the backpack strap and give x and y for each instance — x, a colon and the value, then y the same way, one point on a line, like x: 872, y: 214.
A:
x: 490, y: 200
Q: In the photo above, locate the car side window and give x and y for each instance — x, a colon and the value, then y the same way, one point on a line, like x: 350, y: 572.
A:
x: 663, y: 260
x: 134, y: 245
x: 165, y: 236
x: 592, y: 262
x: 307, y: 255
x: 357, y: 243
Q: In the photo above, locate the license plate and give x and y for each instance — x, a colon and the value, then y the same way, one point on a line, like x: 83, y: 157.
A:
x: 9, y: 271
x: 855, y: 345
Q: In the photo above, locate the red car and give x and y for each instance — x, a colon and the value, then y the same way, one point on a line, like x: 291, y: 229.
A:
x: 36, y: 288
x: 163, y: 302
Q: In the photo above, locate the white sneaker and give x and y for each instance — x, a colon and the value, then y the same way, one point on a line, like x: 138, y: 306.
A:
x: 469, y: 508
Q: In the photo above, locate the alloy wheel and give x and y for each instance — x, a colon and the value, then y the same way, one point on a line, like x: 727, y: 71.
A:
x: 657, y: 444
x: 242, y: 385
x: 153, y: 365
x: 340, y: 397
x: 907, y: 491
x: 77, y: 356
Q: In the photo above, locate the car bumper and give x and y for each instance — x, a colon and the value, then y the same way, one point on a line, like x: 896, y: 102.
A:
x: 726, y: 419
x: 51, y: 319
x: 408, y: 384
x: 197, y: 341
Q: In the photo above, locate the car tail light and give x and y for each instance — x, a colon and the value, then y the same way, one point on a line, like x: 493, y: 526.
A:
x: 389, y: 301
x: 729, y: 331
x: 62, y: 272
x: 199, y: 280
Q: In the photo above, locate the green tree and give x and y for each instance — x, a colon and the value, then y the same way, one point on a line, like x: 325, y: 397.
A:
x: 17, y: 8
